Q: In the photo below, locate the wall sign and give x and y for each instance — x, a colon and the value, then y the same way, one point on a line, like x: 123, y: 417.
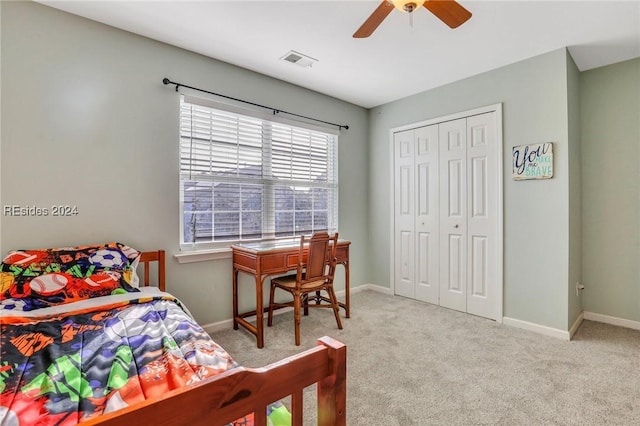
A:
x: 533, y: 161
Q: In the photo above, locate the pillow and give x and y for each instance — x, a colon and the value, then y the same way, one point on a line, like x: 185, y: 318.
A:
x: 48, y: 277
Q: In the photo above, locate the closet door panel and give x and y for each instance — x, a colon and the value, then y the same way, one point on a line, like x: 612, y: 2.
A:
x: 404, y: 214
x: 427, y: 214
x: 453, y: 214
x: 483, y: 213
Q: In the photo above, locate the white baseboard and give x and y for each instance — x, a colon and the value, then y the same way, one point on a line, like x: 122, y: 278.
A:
x: 576, y: 325
x: 542, y: 329
x: 373, y: 287
x: 620, y: 322
x: 525, y: 325
x: 218, y: 326
x: 228, y: 323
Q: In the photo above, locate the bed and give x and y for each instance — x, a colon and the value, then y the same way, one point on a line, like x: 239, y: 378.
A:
x: 85, y: 340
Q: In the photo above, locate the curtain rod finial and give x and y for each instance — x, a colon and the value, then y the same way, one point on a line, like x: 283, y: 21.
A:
x: 166, y: 80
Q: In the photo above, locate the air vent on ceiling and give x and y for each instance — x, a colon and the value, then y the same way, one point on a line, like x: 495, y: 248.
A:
x: 299, y: 59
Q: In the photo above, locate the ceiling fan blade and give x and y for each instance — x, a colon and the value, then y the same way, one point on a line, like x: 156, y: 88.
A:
x: 374, y: 20
x: 448, y: 11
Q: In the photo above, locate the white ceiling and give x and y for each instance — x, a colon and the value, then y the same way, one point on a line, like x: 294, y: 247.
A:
x: 397, y: 60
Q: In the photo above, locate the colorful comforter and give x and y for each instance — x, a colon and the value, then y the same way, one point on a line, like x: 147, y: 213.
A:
x: 101, y: 355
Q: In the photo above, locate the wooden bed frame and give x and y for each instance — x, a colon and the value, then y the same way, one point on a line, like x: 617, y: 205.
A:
x: 240, y: 391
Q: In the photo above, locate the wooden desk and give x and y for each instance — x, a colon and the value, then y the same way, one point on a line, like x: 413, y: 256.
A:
x: 270, y: 258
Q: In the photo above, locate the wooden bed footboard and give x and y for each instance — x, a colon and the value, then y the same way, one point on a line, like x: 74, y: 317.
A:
x: 235, y: 393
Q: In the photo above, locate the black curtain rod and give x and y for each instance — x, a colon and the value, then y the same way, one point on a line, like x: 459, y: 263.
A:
x: 275, y: 110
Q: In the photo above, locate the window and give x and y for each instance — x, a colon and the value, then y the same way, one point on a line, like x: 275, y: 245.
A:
x: 244, y: 177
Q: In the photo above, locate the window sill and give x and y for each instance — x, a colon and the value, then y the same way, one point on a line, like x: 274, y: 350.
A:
x: 203, y: 255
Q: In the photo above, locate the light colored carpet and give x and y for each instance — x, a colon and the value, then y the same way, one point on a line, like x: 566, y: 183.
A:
x: 411, y: 363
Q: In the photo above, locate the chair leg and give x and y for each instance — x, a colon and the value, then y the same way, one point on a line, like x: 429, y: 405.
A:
x: 334, y: 305
x: 305, y: 304
x: 271, y: 296
x: 296, y: 316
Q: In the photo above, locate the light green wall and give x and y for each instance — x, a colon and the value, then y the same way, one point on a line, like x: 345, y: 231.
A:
x: 534, y: 97
x: 610, y: 119
x: 88, y: 122
x: 574, y: 298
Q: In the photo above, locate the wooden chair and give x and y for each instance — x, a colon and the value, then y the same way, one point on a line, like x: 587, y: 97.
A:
x: 315, y: 276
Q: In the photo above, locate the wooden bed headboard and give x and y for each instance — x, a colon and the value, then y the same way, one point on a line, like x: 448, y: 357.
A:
x: 153, y: 256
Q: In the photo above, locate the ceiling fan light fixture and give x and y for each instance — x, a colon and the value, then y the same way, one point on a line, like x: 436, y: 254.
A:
x: 448, y: 11
x: 406, y: 5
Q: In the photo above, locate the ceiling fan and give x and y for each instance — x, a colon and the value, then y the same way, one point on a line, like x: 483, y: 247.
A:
x: 448, y: 11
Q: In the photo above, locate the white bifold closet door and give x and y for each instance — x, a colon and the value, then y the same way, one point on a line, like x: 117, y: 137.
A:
x: 445, y: 220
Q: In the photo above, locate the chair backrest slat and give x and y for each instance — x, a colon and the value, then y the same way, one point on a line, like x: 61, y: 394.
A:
x: 317, y: 258
x: 320, y: 255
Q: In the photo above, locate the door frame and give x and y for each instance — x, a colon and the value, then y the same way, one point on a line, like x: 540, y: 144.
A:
x: 497, y: 108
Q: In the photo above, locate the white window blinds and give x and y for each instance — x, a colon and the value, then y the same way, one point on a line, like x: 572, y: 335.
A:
x: 249, y: 178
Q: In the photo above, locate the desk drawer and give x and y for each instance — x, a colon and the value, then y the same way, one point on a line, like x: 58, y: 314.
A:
x: 292, y: 260
x: 274, y: 263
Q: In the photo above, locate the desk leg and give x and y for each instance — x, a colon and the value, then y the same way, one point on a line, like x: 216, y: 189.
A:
x: 235, y: 299
x: 259, y: 311
x: 346, y: 289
